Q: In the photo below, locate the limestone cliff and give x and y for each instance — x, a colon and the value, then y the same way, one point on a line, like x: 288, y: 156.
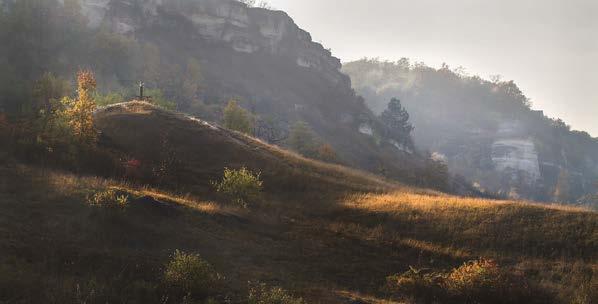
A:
x: 259, y: 57
x: 245, y: 29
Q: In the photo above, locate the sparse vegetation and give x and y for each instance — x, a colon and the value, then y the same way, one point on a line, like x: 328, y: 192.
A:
x: 95, y: 202
x: 242, y: 186
x: 190, y: 274
x: 480, y: 281
x: 321, y: 221
x: 109, y: 198
x: 260, y: 293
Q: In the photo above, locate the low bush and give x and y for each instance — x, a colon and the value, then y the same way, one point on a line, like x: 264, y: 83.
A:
x: 260, y: 293
x: 190, y: 275
x: 480, y: 281
x: 421, y: 284
x: 109, y: 198
x: 241, y: 186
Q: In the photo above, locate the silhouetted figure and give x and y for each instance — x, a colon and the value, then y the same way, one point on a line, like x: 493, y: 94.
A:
x: 141, y: 85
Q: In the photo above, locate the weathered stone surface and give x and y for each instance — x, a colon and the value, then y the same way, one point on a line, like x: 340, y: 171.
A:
x: 518, y: 154
x: 245, y: 29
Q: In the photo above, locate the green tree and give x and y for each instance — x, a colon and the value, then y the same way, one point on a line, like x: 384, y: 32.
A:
x: 192, y: 80
x: 188, y: 273
x: 157, y: 98
x: 237, y: 118
x: 396, y: 120
x: 303, y: 140
x: 47, y: 90
x: 242, y: 186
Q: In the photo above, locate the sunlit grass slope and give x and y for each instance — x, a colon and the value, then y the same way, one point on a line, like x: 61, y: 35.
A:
x: 323, y: 232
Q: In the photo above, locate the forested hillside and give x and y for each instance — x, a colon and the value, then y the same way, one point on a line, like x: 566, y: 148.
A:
x: 196, y: 56
x: 485, y: 130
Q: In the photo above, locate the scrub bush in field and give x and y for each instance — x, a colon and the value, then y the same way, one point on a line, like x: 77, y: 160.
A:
x: 190, y: 274
x: 242, y: 186
x: 261, y: 294
x: 478, y: 281
x: 108, y: 199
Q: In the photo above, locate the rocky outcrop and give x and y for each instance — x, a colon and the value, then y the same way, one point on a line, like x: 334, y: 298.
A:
x: 514, y: 152
x: 244, y: 29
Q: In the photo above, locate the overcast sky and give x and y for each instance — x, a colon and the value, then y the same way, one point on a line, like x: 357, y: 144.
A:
x: 549, y: 47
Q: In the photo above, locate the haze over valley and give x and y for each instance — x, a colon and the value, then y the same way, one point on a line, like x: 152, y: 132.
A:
x: 292, y: 152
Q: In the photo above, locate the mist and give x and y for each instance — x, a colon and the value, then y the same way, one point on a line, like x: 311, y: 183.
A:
x: 547, y: 47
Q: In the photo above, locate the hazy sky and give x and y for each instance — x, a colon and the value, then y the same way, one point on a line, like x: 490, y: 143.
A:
x: 549, y: 47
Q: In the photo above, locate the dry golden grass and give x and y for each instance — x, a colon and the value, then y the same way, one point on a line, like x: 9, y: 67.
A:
x: 327, y: 255
x: 488, y: 226
x: 324, y: 232
x: 428, y: 200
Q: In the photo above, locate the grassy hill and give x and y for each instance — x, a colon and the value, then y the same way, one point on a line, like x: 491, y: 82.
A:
x: 323, y: 232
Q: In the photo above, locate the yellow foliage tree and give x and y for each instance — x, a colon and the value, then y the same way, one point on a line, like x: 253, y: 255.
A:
x: 79, y: 112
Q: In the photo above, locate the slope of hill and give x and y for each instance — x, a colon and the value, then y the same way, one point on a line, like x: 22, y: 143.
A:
x: 199, y: 54
x: 485, y: 130
x: 326, y: 233
x: 197, y: 152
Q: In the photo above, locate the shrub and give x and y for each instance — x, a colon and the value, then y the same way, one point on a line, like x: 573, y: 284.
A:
x: 475, y: 278
x: 260, y: 293
x: 479, y: 281
x: 108, y: 99
x: 418, y: 283
x: 190, y: 274
x: 242, y: 185
x: 109, y: 199
x: 156, y: 97
x: 237, y: 118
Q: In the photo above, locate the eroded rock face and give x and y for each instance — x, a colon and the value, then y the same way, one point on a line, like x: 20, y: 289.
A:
x: 516, y: 154
x: 245, y: 29
x: 513, y: 152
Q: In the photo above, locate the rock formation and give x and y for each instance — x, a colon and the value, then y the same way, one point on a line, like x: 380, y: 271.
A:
x: 245, y: 29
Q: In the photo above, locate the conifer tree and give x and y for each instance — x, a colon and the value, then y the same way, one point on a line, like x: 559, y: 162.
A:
x: 396, y: 120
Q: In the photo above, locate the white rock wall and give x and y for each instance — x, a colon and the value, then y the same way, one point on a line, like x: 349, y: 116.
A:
x: 518, y: 154
x: 247, y: 30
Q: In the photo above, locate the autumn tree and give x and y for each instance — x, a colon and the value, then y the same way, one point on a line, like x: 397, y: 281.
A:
x: 236, y: 118
x: 79, y: 111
